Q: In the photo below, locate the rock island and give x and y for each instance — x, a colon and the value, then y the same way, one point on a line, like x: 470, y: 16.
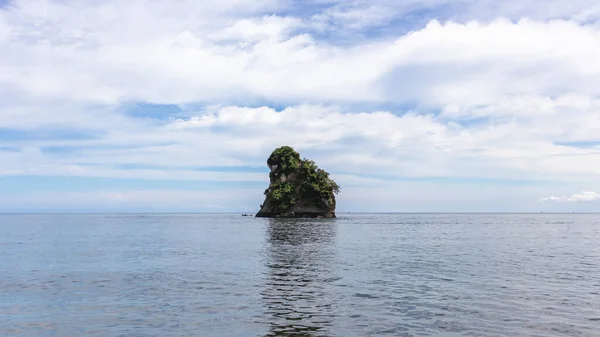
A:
x: 298, y: 188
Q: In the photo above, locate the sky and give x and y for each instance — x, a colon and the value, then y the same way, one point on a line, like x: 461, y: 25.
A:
x: 412, y: 106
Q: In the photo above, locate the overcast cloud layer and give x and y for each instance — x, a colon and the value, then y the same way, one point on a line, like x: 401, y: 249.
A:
x: 420, y: 106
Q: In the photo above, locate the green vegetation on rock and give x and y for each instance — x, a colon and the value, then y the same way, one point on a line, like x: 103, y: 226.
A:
x: 286, y: 158
x: 294, y: 180
x: 315, y: 182
x: 282, y: 195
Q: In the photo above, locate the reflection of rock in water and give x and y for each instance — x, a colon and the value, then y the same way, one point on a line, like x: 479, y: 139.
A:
x: 299, y: 259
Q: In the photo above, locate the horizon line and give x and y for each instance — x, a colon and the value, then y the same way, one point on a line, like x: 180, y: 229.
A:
x: 337, y: 213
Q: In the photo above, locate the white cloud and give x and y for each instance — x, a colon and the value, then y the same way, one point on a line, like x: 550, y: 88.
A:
x: 480, y: 97
x: 257, y: 29
x: 172, y: 56
x: 582, y: 197
x: 376, y: 144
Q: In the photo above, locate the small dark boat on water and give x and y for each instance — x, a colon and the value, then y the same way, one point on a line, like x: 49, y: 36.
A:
x: 246, y: 214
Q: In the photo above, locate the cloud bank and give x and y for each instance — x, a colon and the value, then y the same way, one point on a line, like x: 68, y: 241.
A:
x: 582, y: 197
x: 503, y: 95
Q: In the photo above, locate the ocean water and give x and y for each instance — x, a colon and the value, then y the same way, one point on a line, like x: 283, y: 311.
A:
x: 358, y: 275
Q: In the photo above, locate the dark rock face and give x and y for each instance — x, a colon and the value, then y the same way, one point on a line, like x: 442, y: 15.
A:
x: 298, y: 188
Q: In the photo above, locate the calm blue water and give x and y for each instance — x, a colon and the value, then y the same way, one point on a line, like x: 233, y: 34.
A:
x: 358, y: 275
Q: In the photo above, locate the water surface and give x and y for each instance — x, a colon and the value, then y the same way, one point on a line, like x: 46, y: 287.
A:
x: 358, y: 275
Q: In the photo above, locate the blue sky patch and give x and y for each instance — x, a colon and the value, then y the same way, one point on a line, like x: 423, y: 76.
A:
x: 48, y: 134
x: 151, y: 111
x: 29, y: 184
x: 10, y: 149
x: 581, y: 144
x: 227, y: 169
x: 56, y: 149
x: 460, y: 180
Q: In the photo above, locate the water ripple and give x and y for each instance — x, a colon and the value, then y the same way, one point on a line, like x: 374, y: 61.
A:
x: 358, y: 275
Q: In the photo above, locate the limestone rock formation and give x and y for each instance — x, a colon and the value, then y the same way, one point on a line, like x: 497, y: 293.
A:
x: 298, y: 188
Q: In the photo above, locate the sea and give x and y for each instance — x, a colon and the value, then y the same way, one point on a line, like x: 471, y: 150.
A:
x: 228, y: 275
